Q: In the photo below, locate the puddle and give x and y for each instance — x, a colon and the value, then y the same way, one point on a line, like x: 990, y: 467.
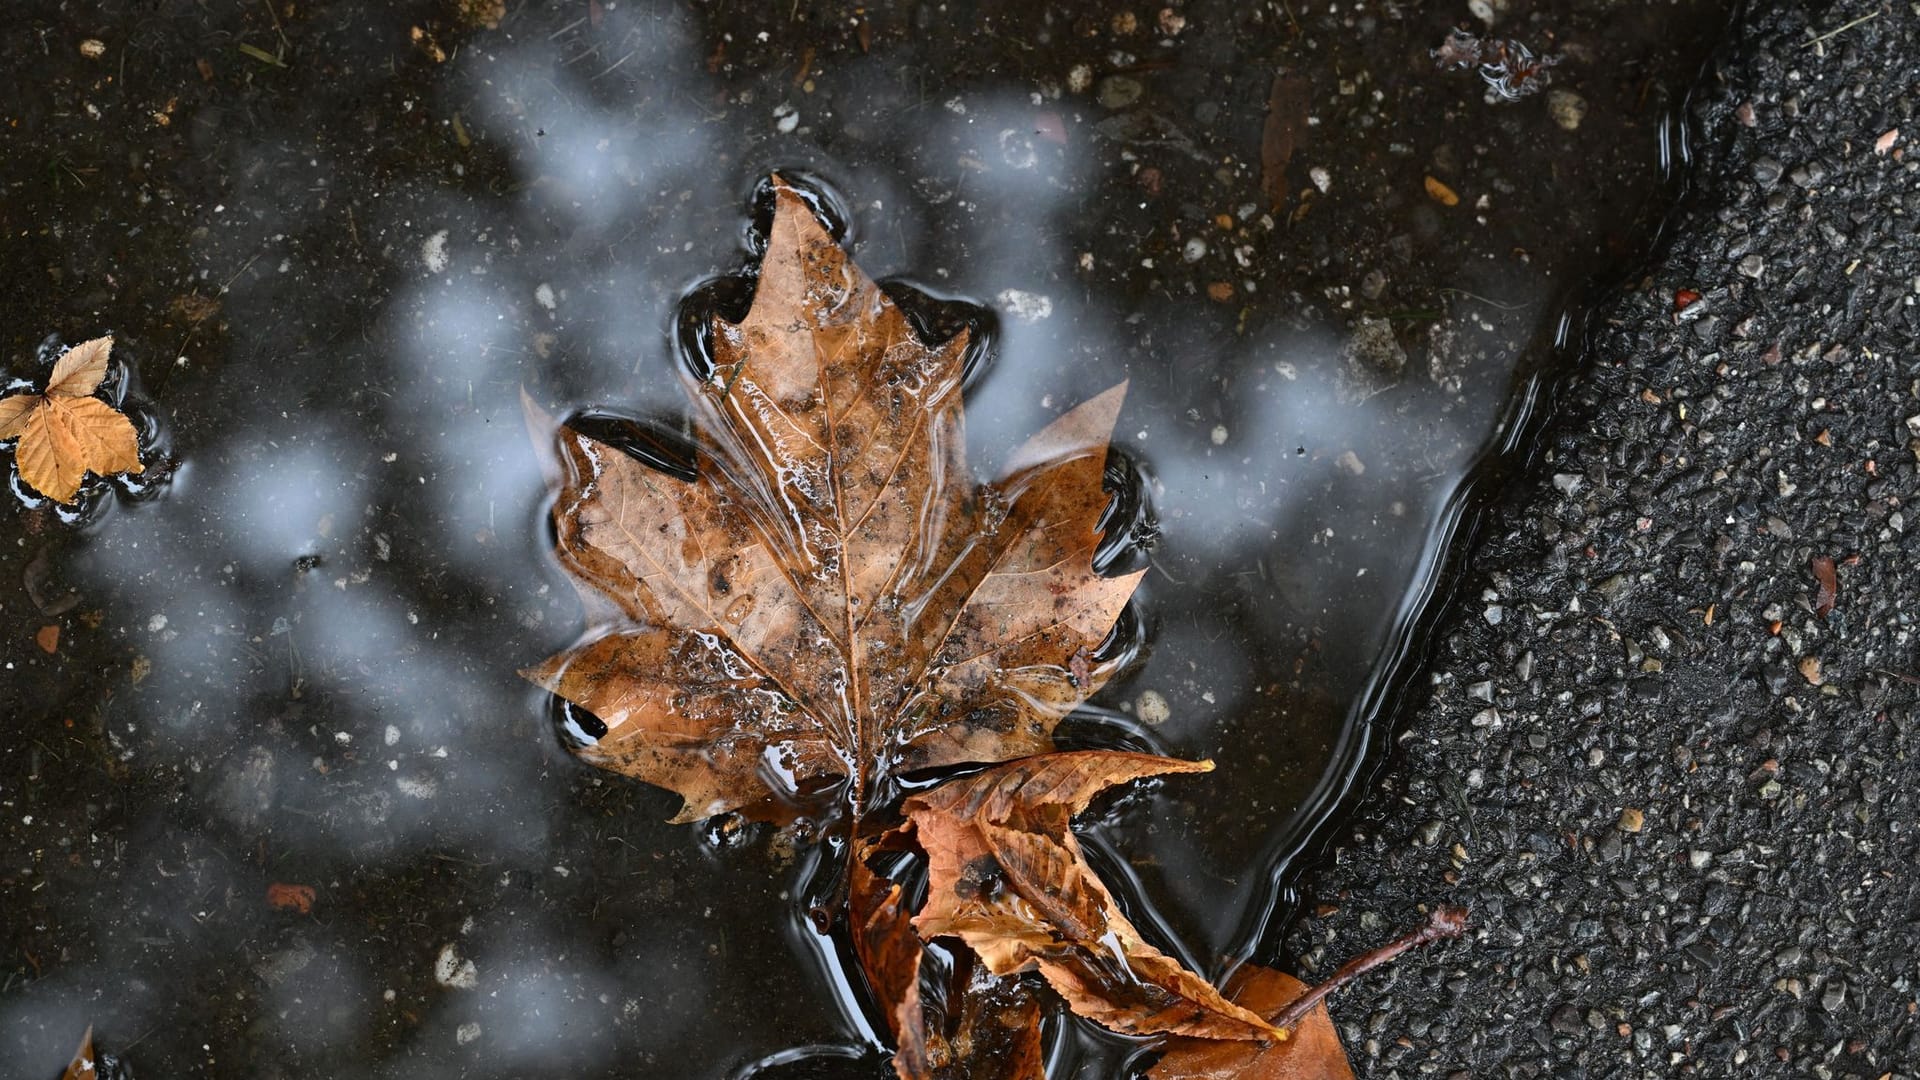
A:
x: 293, y: 661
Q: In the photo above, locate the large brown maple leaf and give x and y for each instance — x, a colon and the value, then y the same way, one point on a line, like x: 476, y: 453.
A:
x: 834, y: 599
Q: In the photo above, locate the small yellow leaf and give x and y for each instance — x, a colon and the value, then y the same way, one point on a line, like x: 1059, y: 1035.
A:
x: 1441, y: 193
x: 65, y: 437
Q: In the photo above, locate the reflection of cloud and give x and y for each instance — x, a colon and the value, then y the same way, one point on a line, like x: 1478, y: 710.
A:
x: 39, y: 1031
x: 527, y: 1011
x: 326, y: 1002
x: 292, y: 499
x: 589, y: 167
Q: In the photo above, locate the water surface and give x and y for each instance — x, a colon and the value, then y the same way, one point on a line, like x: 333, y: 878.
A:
x: 289, y: 656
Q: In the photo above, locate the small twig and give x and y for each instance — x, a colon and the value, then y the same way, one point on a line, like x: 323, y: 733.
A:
x: 1489, y: 301
x: 1869, y: 17
x: 1444, y: 922
x: 237, y: 273
x: 277, y: 28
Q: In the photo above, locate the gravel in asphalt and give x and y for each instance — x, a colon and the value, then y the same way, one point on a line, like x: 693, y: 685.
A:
x: 1676, y: 790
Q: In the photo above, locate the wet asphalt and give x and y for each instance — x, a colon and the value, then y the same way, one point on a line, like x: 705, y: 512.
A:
x: 1674, y: 783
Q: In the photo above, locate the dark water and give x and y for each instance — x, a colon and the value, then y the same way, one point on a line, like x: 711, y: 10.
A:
x: 334, y: 263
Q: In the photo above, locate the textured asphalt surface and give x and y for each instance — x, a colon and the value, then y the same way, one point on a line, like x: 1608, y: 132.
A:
x: 1679, y: 798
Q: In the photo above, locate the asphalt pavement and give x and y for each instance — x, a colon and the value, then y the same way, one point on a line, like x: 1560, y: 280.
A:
x: 1667, y: 754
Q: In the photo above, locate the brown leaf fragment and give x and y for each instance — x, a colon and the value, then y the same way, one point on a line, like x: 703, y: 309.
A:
x: 1287, y: 106
x: 831, y: 599
x: 979, y: 1027
x: 83, y: 1066
x: 1007, y: 877
x: 67, y: 432
x: 889, y: 953
x: 1311, y: 1047
x: 295, y: 898
x: 1828, y: 582
x: 48, y: 638
x: 1312, y: 1050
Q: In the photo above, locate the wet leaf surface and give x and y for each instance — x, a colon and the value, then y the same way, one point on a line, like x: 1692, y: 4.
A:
x: 975, y: 1025
x: 1007, y: 876
x: 832, y: 600
x: 67, y: 432
x: 816, y: 597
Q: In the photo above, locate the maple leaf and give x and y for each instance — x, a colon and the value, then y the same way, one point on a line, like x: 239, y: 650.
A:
x: 66, y: 431
x: 833, y: 599
x: 1006, y: 876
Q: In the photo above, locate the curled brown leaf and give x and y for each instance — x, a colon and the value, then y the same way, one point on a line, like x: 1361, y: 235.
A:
x: 978, y: 1027
x: 1007, y: 877
x: 1828, y: 581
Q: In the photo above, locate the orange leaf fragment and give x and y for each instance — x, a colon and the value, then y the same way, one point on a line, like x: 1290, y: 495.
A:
x: 67, y: 432
x: 1007, y: 876
x: 1312, y: 1050
x: 295, y: 898
x: 48, y: 638
x: 1441, y: 193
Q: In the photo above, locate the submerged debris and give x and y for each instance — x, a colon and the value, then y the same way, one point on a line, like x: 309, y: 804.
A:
x: 1510, y: 68
x: 88, y: 1065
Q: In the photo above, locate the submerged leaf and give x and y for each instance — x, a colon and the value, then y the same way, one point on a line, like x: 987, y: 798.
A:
x: 832, y: 600
x: 979, y: 1026
x: 67, y: 432
x: 1007, y: 877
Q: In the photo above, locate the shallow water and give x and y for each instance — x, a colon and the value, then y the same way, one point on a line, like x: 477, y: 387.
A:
x: 289, y: 657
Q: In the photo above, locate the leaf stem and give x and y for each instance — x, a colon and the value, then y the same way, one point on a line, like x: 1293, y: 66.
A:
x: 1443, y: 922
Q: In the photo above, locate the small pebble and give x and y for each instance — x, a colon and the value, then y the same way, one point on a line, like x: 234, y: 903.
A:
x: 1151, y: 708
x: 1118, y: 91
x: 1567, y: 108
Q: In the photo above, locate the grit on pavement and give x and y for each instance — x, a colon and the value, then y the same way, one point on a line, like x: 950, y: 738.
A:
x: 1673, y: 779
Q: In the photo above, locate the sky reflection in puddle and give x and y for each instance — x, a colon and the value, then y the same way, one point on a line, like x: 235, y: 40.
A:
x: 330, y: 604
